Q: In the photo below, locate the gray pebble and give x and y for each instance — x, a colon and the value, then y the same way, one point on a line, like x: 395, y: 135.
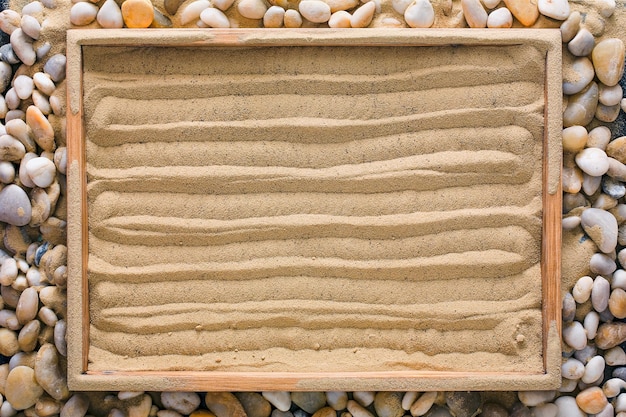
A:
x: 6, y: 74
x: 606, y: 316
x: 601, y: 264
x: 43, y: 50
x: 59, y: 337
x: 581, y: 107
x: 15, y: 206
x: 613, y: 188
x: 437, y: 411
x: 586, y: 353
x: 494, y: 410
x: 309, y: 401
x: 619, y: 373
x: 300, y: 413
x: 464, y: 404
x: 55, y: 67
x: 7, y: 55
x: 569, y: 307
x: 582, y: 44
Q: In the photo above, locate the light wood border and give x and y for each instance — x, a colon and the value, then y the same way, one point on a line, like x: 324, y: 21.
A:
x: 79, y: 378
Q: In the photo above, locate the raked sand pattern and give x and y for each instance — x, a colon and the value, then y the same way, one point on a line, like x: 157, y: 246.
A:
x: 369, y: 209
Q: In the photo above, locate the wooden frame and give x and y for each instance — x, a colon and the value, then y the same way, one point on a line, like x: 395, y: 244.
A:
x: 79, y: 375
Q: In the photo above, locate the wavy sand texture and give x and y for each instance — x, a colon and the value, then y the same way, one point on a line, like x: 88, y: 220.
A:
x: 292, y: 209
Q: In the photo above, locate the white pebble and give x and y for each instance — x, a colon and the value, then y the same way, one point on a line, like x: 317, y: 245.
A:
x: 556, y: 9
x: 490, y: 4
x: 600, y: 293
x: 279, y: 399
x: 474, y: 13
x: 83, y: 13
x: 593, y: 161
x: 223, y: 5
x: 605, y: 7
x: 599, y: 137
x: 545, y: 410
x: 339, y: 19
x: 214, y: 18
x: 582, y: 289
x: 30, y: 26
x: 254, y: 9
x: 408, y: 399
x: 33, y: 8
x: 612, y: 387
x: 7, y: 172
x: 110, y: 16
x: 420, y: 14
x: 12, y: 99
x: 574, y: 335
x: 41, y: 102
x: 44, y: 83
x: 568, y: 385
x: 192, y: 11
x: 364, y: 398
x: 337, y: 399
x: 274, y: 17
x: 593, y: 370
x: 23, y: 86
x: 568, y: 407
x: 362, y: 17
x: 500, y: 18
x: 292, y: 19
x: 400, y: 6
x: 534, y: 398
x: 610, y: 96
x: 41, y: 171
x: 619, y: 279
x: 315, y: 11
x: 3, y: 107
x: 572, y: 369
x: 591, y: 323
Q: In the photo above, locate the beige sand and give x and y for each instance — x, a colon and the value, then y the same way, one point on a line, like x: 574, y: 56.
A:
x: 361, y: 210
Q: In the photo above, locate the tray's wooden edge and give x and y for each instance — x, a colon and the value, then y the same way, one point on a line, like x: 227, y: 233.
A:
x: 79, y: 378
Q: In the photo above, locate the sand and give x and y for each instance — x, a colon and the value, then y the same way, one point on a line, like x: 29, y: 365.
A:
x: 359, y: 209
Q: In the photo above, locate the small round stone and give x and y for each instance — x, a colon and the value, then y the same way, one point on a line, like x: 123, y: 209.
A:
x: 582, y: 44
x: 574, y: 138
x: 214, y: 18
x: 608, y: 60
x: 500, y: 18
x: 574, y: 335
x: 556, y: 9
x: 182, y: 402
x: 474, y: 13
x: 362, y: 17
x: 137, y: 13
x: 253, y: 9
x: 30, y: 26
x: 578, y: 72
x: 274, y: 17
x: 83, y: 13
x: 315, y: 11
x: 610, y: 96
x: 340, y: 19
x: 7, y: 172
x: 192, y: 11
x: 592, y: 161
x: 591, y: 400
x: 581, y: 107
x: 420, y: 14
x: 599, y: 137
x: 22, y: 46
x: 55, y: 67
x: 21, y: 388
x: 15, y: 207
x: 570, y: 26
x: 292, y: 19
x: 617, y: 303
x: 109, y: 16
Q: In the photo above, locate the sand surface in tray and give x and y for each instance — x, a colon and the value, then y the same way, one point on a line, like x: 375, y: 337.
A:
x: 314, y: 209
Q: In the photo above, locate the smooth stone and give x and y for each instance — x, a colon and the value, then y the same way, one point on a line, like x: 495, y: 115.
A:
x: 500, y: 18
x: 601, y: 226
x: 27, y: 337
x: 308, y: 401
x: 223, y: 5
x: 581, y: 107
x: 616, y: 170
x: 41, y: 171
x: 192, y: 11
x: 7, y: 172
x: 526, y: 12
x: 490, y: 4
x: 400, y: 6
x: 181, y: 402
x: 9, y: 21
x: 27, y: 306
x: 6, y: 73
x: 599, y: 137
x: 15, y: 206
x: 568, y: 307
x: 605, y: 8
x: 556, y: 9
x: 337, y: 5
x: 592, y: 400
x: 55, y: 67
x: 274, y: 17
x: 474, y: 13
x: 572, y: 369
x: 76, y: 406
x: 11, y: 98
x: 582, y: 289
x: 408, y: 399
x: 30, y: 26
x: 364, y: 398
x: 41, y: 102
x: 600, y: 294
x: 23, y: 173
x: 594, y: 369
x: 292, y: 19
x: 607, y: 114
x: 11, y: 149
x: 315, y: 11
x: 225, y: 404
x: 254, y: 404
x: 362, y: 17
x: 137, y: 13
x: 338, y: 400
x: 388, y: 404
x: 613, y: 188
x: 617, y: 303
x: 255, y: 9
x: 568, y: 408
x: 22, y: 45
x: 582, y: 44
x: 42, y: 129
x: 574, y: 138
x: 619, y: 278
x: 593, y: 161
x: 141, y: 409
x: 423, y: 404
x: 490, y: 409
x: 109, y: 16
x: 21, y: 388
x: 574, y: 335
x: 214, y: 18
x: 608, y: 60
x: 83, y: 13
x: 570, y: 223
x: 325, y: 412
x: 9, y: 345
x: 602, y: 264
x: 578, y: 72
x: 610, y: 335
x: 278, y: 413
x: 463, y: 404
x: 420, y: 14
x: 33, y: 8
x: 544, y: 410
x: 358, y: 410
x: 60, y: 159
x: 618, y: 372
x: 591, y: 184
x: 49, y: 373
x: 279, y: 399
x: 42, y: 50
x: 617, y: 149
x: 340, y: 19
x: 610, y: 96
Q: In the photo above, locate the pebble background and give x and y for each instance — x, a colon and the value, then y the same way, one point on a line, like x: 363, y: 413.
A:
x: 33, y: 269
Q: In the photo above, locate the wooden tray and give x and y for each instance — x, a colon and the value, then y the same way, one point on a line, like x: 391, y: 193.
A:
x: 373, y: 209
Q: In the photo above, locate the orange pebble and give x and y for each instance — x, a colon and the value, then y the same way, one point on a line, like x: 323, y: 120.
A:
x: 137, y: 13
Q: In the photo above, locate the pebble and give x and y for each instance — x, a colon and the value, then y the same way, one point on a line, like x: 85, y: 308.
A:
x: 5, y: 74
x: 279, y: 399
x: 610, y: 335
x: 572, y: 369
x: 225, y: 404
x: 610, y: 96
x: 400, y: 6
x: 602, y: 264
x: 137, y: 13
x: 556, y: 9
x: 420, y: 14
x: 15, y: 206
x: 340, y: 19
x: 600, y: 294
x: 357, y: 410
x: 9, y: 21
x: 41, y: 171
x: 463, y: 404
x: 22, y: 45
x: 11, y: 98
x: 619, y: 279
x: 42, y: 129
x: 192, y: 11
x: 315, y: 11
x: 613, y: 188
x: 525, y: 11
x: 308, y: 401
x: 30, y: 26
x: 214, y: 18
x: 27, y: 337
x: 255, y: 9
x: 594, y: 369
x: 8, y: 342
x: 27, y: 306
x: 181, y: 402
x: 55, y: 67
x: 568, y: 407
x: 578, y: 72
x: 617, y: 170
x: 83, y: 13
x: 544, y: 410
x: 608, y: 60
x: 364, y: 398
x: 607, y: 114
x: 223, y: 5
x: 274, y: 17
x: 601, y: 226
x: 617, y: 149
x: 582, y: 44
x: 574, y: 335
x: 617, y: 303
x: 254, y: 404
x: 109, y: 16
x: 168, y: 413
x: 76, y: 406
x: 33, y: 8
x: 388, y: 404
x: 593, y: 161
x: 500, y: 18
x: 615, y: 357
x: 423, y: 403
x: 581, y: 107
x: 612, y: 387
x: 21, y: 389
x: 362, y: 17
x: 42, y: 50
x: 569, y: 307
x: 592, y: 400
x: 591, y: 323
x: 7, y: 172
x: 574, y: 138
x: 490, y: 4
x: 474, y: 13
x: 292, y: 19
